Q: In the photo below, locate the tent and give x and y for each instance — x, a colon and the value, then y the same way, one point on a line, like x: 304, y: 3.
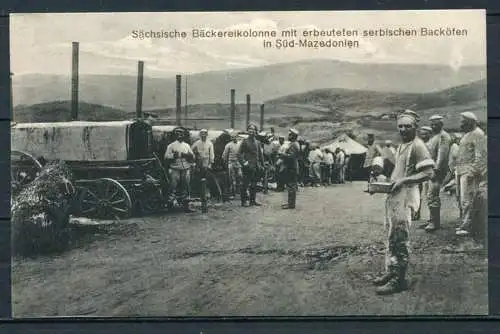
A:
x: 346, y: 143
x: 356, y: 151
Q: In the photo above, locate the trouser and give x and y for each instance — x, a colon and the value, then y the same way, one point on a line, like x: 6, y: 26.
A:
x: 468, y: 188
x: 180, y: 180
x: 280, y: 180
x: 290, y: 178
x: 316, y: 172
x: 249, y: 187
x: 398, y: 218
x: 235, y: 176
x: 341, y: 174
x: 432, y: 194
x: 326, y: 173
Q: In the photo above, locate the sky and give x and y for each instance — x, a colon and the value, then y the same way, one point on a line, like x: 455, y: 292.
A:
x: 41, y: 43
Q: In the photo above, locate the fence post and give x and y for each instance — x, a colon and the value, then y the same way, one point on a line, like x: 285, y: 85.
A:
x: 204, y: 206
x: 262, y: 117
x: 233, y: 107
x: 178, y: 99
x: 140, y: 83
x: 248, y: 111
x: 74, y: 81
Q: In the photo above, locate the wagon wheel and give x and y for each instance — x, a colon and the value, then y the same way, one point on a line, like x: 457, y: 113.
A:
x: 24, y: 168
x: 106, y: 198
x: 150, y: 198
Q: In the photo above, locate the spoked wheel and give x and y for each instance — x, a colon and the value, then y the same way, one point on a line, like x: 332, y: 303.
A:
x: 105, y: 199
x: 24, y: 168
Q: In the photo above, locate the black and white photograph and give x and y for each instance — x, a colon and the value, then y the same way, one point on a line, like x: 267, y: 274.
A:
x: 219, y: 164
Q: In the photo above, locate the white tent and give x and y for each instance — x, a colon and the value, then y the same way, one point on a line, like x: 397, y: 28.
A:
x: 347, y: 144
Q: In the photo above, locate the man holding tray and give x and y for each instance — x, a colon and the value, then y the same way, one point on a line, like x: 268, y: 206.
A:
x: 413, y: 165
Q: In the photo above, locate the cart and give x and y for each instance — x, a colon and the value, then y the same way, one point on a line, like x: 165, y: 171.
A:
x: 114, y: 170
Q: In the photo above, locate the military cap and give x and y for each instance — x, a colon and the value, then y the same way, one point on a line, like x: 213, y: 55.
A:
x: 371, y: 135
x: 179, y: 129
x: 203, y: 131
x: 410, y: 113
x: 294, y: 131
x: 388, y: 142
x: 252, y: 126
x: 436, y: 118
x: 426, y: 128
x: 469, y: 115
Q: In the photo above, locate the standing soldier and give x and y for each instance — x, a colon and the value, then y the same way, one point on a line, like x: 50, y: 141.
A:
x: 471, y: 169
x: 387, y: 153
x: 413, y: 165
x: 439, y: 148
x: 251, y: 160
x: 315, y: 159
x: 179, y: 157
x: 290, y: 160
x: 372, y: 152
x: 230, y: 157
x: 339, y: 165
x: 329, y: 161
x: 203, y: 150
x: 424, y: 134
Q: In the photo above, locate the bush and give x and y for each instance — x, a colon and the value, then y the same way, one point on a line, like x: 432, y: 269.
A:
x: 40, y: 212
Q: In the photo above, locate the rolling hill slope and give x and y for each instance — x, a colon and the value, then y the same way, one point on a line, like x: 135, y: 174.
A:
x: 319, y: 114
x: 263, y: 83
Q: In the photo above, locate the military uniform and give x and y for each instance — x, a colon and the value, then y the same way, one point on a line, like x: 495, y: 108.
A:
x: 290, y: 156
x: 251, y: 161
x: 439, y: 148
x: 411, y: 158
x: 179, y: 158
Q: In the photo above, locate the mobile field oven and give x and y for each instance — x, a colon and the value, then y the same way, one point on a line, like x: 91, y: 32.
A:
x: 115, y: 171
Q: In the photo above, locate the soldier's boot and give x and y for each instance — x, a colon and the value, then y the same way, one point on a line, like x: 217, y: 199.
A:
x: 185, y: 206
x: 382, y: 280
x: 435, y: 219
x: 392, y: 286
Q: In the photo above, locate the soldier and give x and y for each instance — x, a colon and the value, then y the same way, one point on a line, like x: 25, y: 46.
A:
x: 290, y: 157
x: 372, y: 152
x: 471, y: 168
x: 179, y: 157
x: 439, y: 148
x: 424, y: 134
x: 413, y: 165
x: 315, y: 159
x: 339, y: 165
x: 387, y: 153
x: 251, y: 160
x: 230, y: 157
x: 203, y: 150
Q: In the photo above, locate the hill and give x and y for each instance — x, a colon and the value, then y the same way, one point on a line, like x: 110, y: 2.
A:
x: 319, y: 114
x: 60, y: 111
x: 263, y: 83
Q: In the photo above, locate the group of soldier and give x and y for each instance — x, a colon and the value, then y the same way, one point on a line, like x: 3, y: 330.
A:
x: 420, y: 168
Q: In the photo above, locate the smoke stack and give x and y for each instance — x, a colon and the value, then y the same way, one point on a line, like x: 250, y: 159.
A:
x: 178, y: 97
x: 261, y: 117
x: 74, y: 82
x: 248, y: 111
x: 233, y: 107
x: 140, y: 81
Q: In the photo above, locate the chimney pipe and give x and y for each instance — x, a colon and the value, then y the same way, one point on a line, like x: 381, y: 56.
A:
x: 233, y: 107
x: 261, y: 117
x: 248, y: 111
x: 140, y: 82
x: 178, y: 100
x: 74, y: 81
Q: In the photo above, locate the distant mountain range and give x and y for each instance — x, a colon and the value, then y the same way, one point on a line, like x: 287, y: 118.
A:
x: 262, y: 83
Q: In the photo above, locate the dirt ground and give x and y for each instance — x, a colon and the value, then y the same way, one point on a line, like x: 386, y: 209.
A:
x: 233, y: 261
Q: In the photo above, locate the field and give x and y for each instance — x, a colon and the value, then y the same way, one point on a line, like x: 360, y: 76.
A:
x: 233, y: 261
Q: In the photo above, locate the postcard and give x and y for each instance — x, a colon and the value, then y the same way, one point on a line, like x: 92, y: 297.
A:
x: 194, y: 164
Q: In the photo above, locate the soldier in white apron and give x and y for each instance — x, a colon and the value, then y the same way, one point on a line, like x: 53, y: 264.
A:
x: 413, y: 165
